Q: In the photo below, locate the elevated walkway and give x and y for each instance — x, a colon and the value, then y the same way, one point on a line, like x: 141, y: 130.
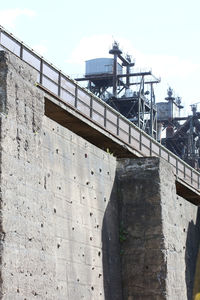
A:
x: 82, y: 112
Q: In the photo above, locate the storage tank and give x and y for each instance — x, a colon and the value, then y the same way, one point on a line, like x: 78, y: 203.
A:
x: 100, y: 66
x: 167, y: 110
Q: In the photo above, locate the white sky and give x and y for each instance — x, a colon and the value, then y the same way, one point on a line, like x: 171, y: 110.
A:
x: 162, y: 35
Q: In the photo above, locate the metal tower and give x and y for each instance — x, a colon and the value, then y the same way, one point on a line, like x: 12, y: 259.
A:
x: 130, y: 93
x: 182, y: 133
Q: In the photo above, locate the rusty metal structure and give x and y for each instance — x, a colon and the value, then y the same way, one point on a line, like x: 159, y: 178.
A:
x: 182, y: 133
x: 130, y: 93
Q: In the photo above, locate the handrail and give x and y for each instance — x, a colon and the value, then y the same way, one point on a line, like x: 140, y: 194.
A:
x: 69, y: 91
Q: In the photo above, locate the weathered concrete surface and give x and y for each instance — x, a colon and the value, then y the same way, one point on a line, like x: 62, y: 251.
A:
x: 55, y: 190
x: 160, y: 232
x: 59, y: 220
x: 181, y: 230
x: 21, y: 111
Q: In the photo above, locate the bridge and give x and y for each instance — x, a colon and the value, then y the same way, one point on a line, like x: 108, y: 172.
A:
x: 76, y: 108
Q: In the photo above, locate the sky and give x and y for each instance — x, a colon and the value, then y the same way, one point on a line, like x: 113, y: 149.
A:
x: 160, y: 35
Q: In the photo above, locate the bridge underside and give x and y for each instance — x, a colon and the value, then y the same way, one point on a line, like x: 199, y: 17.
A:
x: 68, y: 117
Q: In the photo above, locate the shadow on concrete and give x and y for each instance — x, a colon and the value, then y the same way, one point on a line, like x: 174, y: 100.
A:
x: 111, y: 249
x: 191, y: 254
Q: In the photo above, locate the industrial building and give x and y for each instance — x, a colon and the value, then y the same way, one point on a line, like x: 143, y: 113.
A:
x: 132, y: 94
x: 93, y: 207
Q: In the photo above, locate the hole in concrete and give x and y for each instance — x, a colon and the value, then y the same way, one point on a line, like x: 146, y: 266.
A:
x: 100, y: 170
x: 91, y: 214
x: 54, y: 210
x: 108, y: 173
x: 86, y: 155
x: 34, y: 293
x: 72, y: 228
x: 57, y: 151
x: 99, y: 253
x: 91, y: 238
x: 87, y: 183
x: 92, y: 172
x: 42, y: 225
x: 183, y: 229
x: 17, y: 290
x: 92, y: 288
x: 58, y: 246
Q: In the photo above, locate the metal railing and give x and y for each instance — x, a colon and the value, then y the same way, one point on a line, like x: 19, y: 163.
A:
x: 70, y: 92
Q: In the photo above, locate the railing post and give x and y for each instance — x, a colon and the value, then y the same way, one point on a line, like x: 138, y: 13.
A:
x: 191, y: 176
x: 150, y: 147
x: 159, y: 151
x: 105, y: 116
x: 129, y: 134
x: 117, y: 124
x: 41, y: 70
x: 76, y: 96
x: 59, y: 84
x: 21, y: 51
x: 91, y: 107
x: 176, y: 166
x: 140, y: 140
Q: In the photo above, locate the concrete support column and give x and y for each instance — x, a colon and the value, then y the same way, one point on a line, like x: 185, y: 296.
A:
x: 158, y: 232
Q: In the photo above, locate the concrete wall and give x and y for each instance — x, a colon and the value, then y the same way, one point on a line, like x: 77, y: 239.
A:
x: 161, y: 232
x: 55, y: 189
x: 75, y: 222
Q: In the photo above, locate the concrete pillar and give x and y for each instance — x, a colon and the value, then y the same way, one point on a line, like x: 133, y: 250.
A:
x: 158, y: 232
